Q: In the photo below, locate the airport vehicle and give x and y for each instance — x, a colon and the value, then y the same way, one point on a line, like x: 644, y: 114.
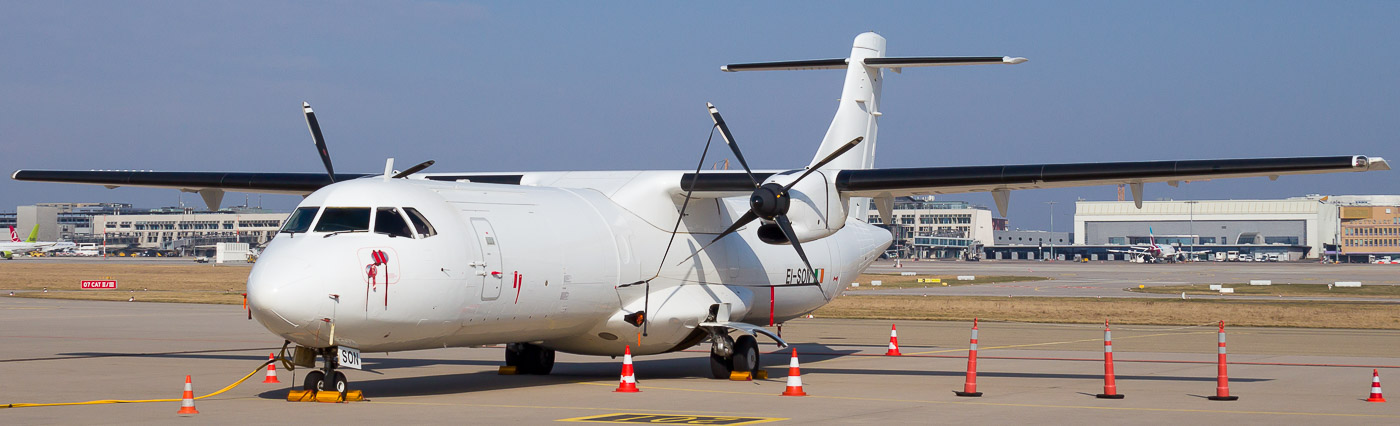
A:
x: 591, y: 262
x: 1156, y: 253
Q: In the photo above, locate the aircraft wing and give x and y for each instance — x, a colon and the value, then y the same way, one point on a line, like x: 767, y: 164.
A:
x: 272, y: 183
x: 882, y: 183
x: 1129, y: 251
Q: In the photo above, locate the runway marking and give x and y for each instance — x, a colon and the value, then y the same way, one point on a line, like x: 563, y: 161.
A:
x: 1007, y: 404
x: 555, y: 407
x: 679, y: 419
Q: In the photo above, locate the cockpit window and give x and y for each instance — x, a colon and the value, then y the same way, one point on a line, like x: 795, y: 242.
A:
x: 341, y: 219
x: 425, y: 229
x: 388, y: 221
x: 300, y: 220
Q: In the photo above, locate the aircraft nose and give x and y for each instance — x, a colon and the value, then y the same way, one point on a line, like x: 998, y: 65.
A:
x: 282, y: 294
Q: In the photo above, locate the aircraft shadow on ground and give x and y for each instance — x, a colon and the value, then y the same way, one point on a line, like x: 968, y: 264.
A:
x: 691, y: 367
x: 200, y: 354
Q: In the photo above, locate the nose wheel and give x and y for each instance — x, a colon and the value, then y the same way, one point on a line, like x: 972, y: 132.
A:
x: 317, y: 380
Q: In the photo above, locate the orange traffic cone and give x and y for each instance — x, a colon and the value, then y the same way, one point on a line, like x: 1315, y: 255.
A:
x: 794, y: 381
x: 1110, y: 385
x: 1222, y: 377
x: 271, y: 370
x: 187, y: 401
x: 629, y: 381
x: 970, y: 385
x: 1375, y: 387
x: 894, y: 342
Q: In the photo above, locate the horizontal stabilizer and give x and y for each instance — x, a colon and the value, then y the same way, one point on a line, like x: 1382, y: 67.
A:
x: 815, y: 64
x: 940, y: 61
x: 840, y: 63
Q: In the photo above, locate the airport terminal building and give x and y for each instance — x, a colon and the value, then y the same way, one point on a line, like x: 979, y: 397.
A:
x: 1296, y: 228
x: 928, y: 229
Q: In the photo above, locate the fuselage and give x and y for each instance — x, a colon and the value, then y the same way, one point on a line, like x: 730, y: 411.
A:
x: 538, y: 264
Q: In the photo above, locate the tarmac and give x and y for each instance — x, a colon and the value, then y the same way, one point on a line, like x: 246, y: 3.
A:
x: 68, y: 351
x: 1110, y: 279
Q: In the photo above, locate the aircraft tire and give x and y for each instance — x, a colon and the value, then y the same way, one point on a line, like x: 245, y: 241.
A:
x: 745, y: 353
x: 533, y: 359
x: 720, y: 367
x: 338, y: 383
x: 541, y: 358
x: 512, y: 357
x: 313, y: 380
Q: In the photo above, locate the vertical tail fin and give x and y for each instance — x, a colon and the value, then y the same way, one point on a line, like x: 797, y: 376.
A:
x: 14, y: 238
x: 33, y: 235
x: 858, y: 113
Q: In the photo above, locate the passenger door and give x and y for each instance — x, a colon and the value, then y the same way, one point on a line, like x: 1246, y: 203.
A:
x: 489, y: 266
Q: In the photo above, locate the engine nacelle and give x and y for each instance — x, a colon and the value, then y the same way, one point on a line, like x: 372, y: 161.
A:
x: 815, y: 210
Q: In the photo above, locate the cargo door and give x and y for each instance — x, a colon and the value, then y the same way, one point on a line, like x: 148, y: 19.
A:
x: 488, y: 266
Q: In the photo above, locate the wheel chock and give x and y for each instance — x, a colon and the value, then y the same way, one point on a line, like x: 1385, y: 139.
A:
x: 507, y: 370
x: 760, y: 374
x: 329, y: 396
x: 740, y: 376
x: 301, y: 396
x: 324, y: 396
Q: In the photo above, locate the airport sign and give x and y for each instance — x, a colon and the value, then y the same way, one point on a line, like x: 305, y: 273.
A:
x: 99, y: 284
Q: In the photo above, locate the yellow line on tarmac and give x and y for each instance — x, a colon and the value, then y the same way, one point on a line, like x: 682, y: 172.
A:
x: 629, y: 410
x: 1005, y: 404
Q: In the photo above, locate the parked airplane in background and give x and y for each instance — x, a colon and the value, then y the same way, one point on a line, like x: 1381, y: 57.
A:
x: 8, y: 250
x: 591, y: 262
x: 1155, y: 253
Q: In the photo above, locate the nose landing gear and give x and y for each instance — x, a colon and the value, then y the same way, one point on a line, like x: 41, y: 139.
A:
x: 317, y: 380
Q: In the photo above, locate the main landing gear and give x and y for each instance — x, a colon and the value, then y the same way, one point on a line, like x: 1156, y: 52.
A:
x: 728, y: 354
x: 530, y: 359
x: 317, y: 380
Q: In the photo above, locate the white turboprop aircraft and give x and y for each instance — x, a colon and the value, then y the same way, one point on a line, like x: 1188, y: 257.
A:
x: 591, y: 262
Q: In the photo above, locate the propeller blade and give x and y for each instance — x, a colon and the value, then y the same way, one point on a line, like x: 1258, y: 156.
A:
x: 786, y: 226
x: 748, y: 217
x: 415, y: 169
x: 729, y: 140
x: 834, y: 154
x: 316, y: 137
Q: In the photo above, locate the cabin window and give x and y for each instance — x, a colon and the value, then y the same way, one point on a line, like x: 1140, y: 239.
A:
x: 300, y: 220
x: 387, y: 220
x: 425, y: 229
x: 343, y: 219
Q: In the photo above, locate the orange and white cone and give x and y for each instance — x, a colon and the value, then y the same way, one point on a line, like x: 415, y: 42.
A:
x: 1376, y: 387
x: 970, y: 384
x: 271, y: 370
x: 794, y: 380
x: 894, y: 342
x: 187, y: 401
x: 629, y: 380
x: 1222, y: 376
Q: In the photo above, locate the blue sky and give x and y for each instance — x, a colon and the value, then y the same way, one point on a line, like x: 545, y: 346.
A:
x: 506, y: 86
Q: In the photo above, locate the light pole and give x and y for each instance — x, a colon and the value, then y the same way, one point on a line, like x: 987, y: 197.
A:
x: 1052, y: 228
x: 1191, y: 220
